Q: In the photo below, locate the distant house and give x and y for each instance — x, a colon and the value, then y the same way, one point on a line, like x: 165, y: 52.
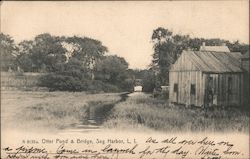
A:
x: 164, y: 88
x: 138, y: 85
x: 137, y: 88
x: 222, y: 48
x: 206, y: 78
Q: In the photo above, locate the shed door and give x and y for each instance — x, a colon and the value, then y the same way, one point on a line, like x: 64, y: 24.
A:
x: 211, y: 90
x: 176, y: 92
x: 192, y: 94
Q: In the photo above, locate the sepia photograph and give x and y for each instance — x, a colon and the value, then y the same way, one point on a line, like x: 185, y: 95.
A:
x: 124, y: 79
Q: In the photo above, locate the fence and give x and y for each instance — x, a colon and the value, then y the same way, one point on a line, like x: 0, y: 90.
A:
x: 16, y: 80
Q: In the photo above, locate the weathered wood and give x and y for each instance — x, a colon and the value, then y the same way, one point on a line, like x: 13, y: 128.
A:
x: 188, y: 70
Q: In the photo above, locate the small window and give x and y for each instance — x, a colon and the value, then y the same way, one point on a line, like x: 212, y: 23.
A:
x: 193, y: 89
x: 230, y: 85
x: 175, y: 87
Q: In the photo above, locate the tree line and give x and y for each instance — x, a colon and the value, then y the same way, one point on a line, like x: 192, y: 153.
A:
x: 69, y: 63
x: 80, y: 63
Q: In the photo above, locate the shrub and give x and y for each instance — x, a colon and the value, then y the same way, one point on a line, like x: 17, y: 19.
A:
x: 127, y: 85
x: 62, y: 83
x: 99, y: 86
x: 74, y: 83
x: 110, y: 88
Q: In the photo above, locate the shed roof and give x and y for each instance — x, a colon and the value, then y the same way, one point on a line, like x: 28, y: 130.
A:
x: 215, y: 48
x: 246, y: 55
x: 216, y: 62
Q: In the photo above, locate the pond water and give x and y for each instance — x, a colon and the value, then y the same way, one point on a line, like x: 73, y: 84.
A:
x: 97, y: 113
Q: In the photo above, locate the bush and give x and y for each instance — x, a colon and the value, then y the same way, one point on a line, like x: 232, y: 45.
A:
x: 62, y: 83
x: 99, y: 86
x: 74, y: 83
x: 74, y: 76
x: 110, y: 88
x: 127, y: 85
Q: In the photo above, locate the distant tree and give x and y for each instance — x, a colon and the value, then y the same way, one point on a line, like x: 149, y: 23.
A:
x: 25, y: 46
x: 74, y: 76
x: 47, y: 52
x: 237, y: 47
x: 87, y: 50
x: 181, y: 42
x: 136, y: 73
x: 42, y: 54
x: 164, y: 53
x: 111, y: 69
x: 23, y: 58
x: 114, y: 70
x: 8, y: 52
x: 149, y: 80
x: 84, y: 58
x: 75, y: 69
x: 70, y: 76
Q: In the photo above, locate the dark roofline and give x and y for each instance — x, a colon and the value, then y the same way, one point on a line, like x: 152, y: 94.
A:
x: 217, y: 58
x: 208, y: 72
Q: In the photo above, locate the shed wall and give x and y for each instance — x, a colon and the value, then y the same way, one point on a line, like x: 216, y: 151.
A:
x: 184, y: 80
x: 227, y: 88
x: 224, y: 89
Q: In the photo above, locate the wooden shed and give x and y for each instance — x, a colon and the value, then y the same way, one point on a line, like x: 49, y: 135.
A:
x: 206, y: 78
x: 245, y: 64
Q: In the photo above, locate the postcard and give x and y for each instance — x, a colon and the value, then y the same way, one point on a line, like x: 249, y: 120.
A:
x: 124, y: 79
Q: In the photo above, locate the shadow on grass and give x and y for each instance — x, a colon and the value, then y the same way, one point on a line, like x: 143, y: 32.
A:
x: 98, y: 111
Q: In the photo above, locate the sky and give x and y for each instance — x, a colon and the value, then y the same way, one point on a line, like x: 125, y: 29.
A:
x: 125, y: 27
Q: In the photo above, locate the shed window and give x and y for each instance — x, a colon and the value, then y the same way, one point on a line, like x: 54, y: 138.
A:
x: 230, y: 85
x: 175, y: 87
x: 192, y: 91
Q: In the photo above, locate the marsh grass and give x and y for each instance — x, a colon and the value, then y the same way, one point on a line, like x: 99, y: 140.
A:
x: 156, y: 114
x: 60, y: 110
x: 48, y: 110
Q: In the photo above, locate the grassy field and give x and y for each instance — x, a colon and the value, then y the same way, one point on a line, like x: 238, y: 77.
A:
x: 48, y: 110
x: 54, y: 111
x: 143, y: 112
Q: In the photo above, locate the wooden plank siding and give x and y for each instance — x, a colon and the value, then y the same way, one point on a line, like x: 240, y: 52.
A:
x: 218, y: 88
x: 184, y: 80
x: 185, y: 73
x: 222, y: 95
